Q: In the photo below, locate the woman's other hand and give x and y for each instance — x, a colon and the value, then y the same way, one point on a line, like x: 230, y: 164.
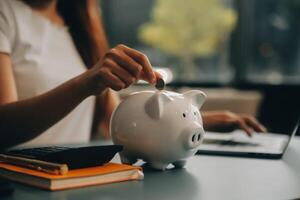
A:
x: 121, y: 67
x: 225, y: 121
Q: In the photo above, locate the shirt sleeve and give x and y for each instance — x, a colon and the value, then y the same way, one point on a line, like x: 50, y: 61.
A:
x: 6, y: 27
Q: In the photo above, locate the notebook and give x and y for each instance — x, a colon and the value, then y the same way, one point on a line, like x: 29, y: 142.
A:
x: 107, y: 173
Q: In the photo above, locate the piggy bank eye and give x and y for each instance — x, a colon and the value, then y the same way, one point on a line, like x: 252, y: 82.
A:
x: 195, y: 113
x: 183, y: 114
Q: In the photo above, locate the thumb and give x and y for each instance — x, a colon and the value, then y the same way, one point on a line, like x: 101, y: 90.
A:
x: 157, y: 76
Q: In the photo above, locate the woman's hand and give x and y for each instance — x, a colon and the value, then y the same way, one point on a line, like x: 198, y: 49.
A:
x: 225, y: 121
x: 120, y: 67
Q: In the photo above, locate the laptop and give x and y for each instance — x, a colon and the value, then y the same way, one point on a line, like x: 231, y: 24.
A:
x: 237, y: 143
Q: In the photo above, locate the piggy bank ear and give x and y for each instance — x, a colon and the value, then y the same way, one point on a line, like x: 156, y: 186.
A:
x: 197, y: 96
x: 155, y: 106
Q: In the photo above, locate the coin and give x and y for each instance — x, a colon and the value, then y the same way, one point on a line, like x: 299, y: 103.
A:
x: 160, y: 84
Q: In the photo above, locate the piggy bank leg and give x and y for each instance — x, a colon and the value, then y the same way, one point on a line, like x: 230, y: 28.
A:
x: 179, y: 163
x: 158, y: 165
x: 126, y: 159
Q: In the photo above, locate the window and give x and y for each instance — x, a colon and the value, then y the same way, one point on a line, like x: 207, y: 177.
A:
x: 216, y: 41
x: 270, y: 31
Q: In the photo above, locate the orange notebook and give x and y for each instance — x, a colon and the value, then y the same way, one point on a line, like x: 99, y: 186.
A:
x: 108, y: 173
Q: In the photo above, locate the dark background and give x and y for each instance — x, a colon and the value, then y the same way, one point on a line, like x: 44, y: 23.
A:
x: 266, y: 38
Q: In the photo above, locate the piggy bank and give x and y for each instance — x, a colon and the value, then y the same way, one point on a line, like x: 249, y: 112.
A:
x: 159, y: 127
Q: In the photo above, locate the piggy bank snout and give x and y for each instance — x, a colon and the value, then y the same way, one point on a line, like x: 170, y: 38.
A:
x: 193, y: 137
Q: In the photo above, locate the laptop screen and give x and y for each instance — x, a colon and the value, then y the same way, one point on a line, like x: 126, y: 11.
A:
x: 294, y: 132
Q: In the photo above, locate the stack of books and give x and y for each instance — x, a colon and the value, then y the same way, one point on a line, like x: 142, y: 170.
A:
x: 107, y: 173
x: 58, y: 168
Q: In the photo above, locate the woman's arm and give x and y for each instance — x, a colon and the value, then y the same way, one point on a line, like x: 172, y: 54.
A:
x: 106, y: 103
x: 8, y: 91
x: 23, y: 120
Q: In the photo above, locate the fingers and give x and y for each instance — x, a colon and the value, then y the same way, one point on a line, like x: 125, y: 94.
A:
x: 249, y: 124
x: 110, y: 80
x: 157, y: 75
x: 228, y: 121
x: 126, y: 62
x: 122, y: 74
x: 242, y: 124
x: 253, y: 123
x: 123, y: 66
x: 147, y: 72
x: 129, y: 65
x: 119, y: 68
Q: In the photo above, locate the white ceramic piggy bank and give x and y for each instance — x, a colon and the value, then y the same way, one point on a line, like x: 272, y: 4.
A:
x: 160, y: 127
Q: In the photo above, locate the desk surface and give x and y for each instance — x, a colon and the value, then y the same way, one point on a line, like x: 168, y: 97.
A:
x: 205, y: 177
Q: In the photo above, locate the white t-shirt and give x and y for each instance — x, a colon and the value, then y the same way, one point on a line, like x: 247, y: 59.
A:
x: 44, y: 56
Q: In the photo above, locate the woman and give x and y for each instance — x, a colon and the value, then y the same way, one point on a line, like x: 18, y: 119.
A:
x: 54, y: 60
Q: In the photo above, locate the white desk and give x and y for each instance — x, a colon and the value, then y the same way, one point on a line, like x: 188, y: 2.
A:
x: 205, y: 177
